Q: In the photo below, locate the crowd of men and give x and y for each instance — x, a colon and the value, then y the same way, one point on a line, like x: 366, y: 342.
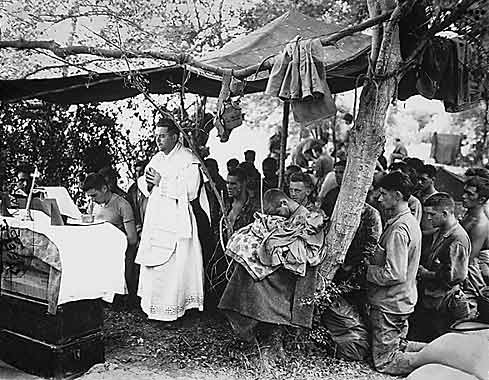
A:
x: 420, y: 267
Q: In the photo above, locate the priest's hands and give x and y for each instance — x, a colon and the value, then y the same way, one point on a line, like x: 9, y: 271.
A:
x: 153, y: 178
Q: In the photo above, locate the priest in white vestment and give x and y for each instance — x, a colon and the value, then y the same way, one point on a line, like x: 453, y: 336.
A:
x: 171, y: 278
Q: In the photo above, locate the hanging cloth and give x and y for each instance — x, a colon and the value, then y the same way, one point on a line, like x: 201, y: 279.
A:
x: 299, y: 76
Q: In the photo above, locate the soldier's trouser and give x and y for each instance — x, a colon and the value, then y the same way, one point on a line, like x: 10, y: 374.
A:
x: 391, y: 352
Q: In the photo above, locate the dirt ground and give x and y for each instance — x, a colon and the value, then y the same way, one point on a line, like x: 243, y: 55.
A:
x: 201, y: 346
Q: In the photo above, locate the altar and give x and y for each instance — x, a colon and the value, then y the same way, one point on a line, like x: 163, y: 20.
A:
x: 53, y: 278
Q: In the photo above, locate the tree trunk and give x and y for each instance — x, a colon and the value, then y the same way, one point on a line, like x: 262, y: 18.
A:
x: 366, y: 141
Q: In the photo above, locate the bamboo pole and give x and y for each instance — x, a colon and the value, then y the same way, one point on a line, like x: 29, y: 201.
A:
x: 283, y: 144
x: 335, y: 119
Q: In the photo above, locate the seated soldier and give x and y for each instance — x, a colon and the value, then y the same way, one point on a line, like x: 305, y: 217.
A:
x: 113, y: 208
x: 443, y: 270
x: 267, y: 304
x: 301, y: 190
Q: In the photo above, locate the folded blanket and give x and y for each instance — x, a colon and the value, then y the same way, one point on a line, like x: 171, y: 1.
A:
x: 272, y: 242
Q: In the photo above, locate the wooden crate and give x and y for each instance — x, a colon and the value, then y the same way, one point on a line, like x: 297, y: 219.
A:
x: 48, y: 360
x: 32, y: 282
x: 30, y: 266
x: 31, y: 318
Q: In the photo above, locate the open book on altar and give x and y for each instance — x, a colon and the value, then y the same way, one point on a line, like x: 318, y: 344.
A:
x: 66, y: 205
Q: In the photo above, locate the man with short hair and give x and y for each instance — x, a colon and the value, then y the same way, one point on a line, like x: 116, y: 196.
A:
x: 250, y: 156
x: 23, y: 176
x: 391, y: 276
x: 476, y: 223
x: 444, y: 270
x: 425, y: 189
x: 111, y: 176
x: 241, y: 207
x: 301, y: 189
x: 171, y: 277
x: 415, y: 163
x: 289, y: 170
x: 270, y: 177
x: 112, y: 208
x: 232, y: 164
x: 426, y: 182
x: 413, y: 202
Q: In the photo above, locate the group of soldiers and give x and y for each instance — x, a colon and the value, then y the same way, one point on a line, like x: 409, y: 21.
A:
x: 422, y: 261
x: 418, y: 267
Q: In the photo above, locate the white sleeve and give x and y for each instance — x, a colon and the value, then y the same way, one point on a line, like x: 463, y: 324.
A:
x: 192, y: 181
x: 142, y: 184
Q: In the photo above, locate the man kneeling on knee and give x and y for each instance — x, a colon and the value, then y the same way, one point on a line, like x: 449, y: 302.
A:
x: 391, y: 276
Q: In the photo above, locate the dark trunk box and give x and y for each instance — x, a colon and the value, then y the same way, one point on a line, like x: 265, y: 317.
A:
x: 48, y: 360
x: 31, y: 318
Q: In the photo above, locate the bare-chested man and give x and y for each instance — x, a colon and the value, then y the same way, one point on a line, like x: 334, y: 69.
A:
x: 241, y: 206
x: 476, y: 223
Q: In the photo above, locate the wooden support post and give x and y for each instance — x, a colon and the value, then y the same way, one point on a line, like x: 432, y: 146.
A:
x: 283, y: 144
x: 335, y: 120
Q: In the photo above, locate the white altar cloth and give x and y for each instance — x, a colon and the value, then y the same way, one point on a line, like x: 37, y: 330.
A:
x: 92, y: 257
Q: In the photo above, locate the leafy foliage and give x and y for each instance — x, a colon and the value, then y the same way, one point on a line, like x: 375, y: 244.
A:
x: 175, y: 26
x: 63, y: 141
x: 338, y: 11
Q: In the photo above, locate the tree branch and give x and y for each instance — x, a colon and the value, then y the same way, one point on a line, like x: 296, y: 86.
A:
x: 183, y: 58
x: 52, y: 67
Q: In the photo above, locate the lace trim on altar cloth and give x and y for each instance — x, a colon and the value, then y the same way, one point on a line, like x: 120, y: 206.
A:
x: 176, y: 311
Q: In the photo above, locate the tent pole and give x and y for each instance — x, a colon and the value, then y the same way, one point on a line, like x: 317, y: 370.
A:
x: 335, y: 119
x: 283, y: 144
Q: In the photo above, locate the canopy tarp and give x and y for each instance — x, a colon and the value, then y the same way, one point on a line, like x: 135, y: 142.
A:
x: 450, y: 182
x: 344, y: 61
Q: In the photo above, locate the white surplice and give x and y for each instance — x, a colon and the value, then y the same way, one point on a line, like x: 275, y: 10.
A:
x: 171, y: 279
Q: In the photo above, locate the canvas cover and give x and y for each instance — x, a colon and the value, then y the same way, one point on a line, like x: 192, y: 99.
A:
x: 344, y: 62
